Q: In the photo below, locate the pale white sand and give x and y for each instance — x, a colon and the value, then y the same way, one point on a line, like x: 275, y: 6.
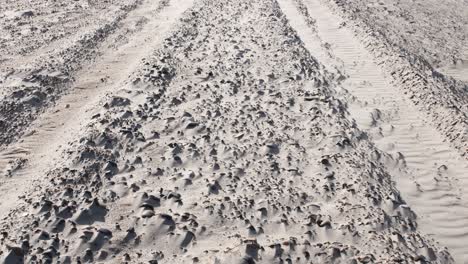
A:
x: 203, y: 131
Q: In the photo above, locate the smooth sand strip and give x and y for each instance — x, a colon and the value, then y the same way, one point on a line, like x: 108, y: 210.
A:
x: 435, y: 177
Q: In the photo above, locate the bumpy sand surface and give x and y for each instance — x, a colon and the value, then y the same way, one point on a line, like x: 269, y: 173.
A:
x: 203, y: 131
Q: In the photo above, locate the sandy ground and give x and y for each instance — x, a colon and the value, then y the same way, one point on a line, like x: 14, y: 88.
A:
x: 202, y: 131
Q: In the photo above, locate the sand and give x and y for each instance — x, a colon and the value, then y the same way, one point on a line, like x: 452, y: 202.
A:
x: 201, y: 131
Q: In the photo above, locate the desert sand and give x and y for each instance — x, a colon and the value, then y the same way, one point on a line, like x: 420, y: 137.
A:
x: 202, y: 131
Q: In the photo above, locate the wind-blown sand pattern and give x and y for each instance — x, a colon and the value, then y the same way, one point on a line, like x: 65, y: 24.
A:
x: 202, y: 131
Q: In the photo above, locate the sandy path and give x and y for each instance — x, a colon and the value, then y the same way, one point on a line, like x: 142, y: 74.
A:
x: 14, y: 69
x: 56, y: 45
x: 37, y: 151
x: 435, y: 177
x: 224, y: 141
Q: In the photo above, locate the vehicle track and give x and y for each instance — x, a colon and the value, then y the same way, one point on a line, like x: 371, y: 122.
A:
x: 22, y: 162
x: 16, y: 69
x: 435, y: 179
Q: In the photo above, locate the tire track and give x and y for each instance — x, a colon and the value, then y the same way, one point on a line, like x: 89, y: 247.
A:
x: 435, y: 178
x: 41, y: 79
x: 22, y: 161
